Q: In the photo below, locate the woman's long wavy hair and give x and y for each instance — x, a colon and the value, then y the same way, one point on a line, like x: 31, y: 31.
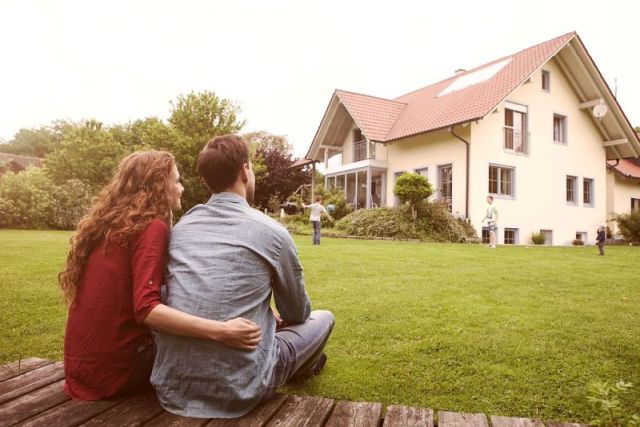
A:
x: 137, y: 194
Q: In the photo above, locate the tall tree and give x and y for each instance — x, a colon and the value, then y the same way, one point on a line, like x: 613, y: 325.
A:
x: 198, y: 117
x: 204, y: 115
x: 38, y: 142
x: 88, y: 153
x: 277, y: 178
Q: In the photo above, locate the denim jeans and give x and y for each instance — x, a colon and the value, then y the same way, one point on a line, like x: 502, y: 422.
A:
x: 316, y: 232
x: 301, y: 347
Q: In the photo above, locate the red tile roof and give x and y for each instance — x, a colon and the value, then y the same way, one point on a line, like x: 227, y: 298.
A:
x: 429, y: 108
x: 629, y: 168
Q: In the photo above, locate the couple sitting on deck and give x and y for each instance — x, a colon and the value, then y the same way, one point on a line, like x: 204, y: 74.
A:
x: 220, y: 348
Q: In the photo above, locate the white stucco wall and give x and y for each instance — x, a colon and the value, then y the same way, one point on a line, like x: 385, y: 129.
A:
x: 620, y: 191
x: 540, y: 177
x: 430, y: 150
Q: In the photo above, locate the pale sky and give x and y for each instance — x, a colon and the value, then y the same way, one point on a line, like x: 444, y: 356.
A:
x: 280, y: 60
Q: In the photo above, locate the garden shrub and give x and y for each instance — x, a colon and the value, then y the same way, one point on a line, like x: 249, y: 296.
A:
x: 30, y: 199
x: 412, y: 188
x: 537, y: 238
x: 629, y: 225
x: 434, y: 223
x: 577, y: 242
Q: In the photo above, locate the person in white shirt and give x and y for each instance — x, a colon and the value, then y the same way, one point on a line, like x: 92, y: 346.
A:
x: 316, y: 213
x: 492, y: 221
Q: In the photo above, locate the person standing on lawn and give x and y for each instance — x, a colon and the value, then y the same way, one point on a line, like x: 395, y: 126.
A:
x: 112, y: 283
x: 227, y: 259
x: 315, y: 217
x: 601, y: 237
x: 492, y: 221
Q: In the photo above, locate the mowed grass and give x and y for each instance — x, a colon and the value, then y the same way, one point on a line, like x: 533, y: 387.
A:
x: 515, y: 331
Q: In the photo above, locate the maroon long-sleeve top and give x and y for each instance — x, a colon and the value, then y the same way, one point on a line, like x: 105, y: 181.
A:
x: 119, y: 288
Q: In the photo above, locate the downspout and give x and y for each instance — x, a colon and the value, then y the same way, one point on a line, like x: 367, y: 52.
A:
x: 466, y: 200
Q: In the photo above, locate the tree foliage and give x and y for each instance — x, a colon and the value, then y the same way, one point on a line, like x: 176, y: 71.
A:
x: 87, y: 153
x: 31, y: 199
x: 412, y: 188
x: 204, y: 115
x: 277, y: 178
x: 37, y: 142
x: 629, y: 225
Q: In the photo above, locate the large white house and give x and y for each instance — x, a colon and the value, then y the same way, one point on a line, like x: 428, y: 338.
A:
x: 535, y: 129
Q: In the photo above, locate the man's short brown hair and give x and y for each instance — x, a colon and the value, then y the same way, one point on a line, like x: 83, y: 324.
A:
x: 220, y: 161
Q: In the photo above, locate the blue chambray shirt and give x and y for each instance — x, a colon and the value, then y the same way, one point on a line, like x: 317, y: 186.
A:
x: 225, y: 259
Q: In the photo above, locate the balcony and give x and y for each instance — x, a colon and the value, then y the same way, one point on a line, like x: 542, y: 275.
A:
x: 516, y: 140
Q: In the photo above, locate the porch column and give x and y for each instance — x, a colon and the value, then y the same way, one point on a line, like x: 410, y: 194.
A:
x: 313, y: 180
x: 368, y: 202
x: 344, y: 186
x: 383, y: 197
x: 355, y: 197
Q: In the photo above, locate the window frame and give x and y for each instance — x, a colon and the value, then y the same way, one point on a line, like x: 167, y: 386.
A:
x: 439, y: 183
x: 499, y: 181
x: 524, y: 130
x: 358, y: 145
x: 546, y: 73
x: 575, y: 190
x: 565, y: 129
x: 592, y: 182
x: 515, y: 236
x: 635, y: 201
x: 548, y: 232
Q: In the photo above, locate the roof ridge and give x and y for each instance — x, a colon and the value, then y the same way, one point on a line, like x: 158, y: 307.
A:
x: 371, y: 96
x: 487, y: 64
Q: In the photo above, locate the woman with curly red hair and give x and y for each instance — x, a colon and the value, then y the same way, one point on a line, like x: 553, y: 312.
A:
x: 112, y: 283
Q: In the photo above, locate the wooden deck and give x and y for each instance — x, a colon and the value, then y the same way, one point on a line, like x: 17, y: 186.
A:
x: 31, y: 394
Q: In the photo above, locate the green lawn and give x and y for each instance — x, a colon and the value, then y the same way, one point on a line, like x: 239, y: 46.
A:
x: 514, y: 331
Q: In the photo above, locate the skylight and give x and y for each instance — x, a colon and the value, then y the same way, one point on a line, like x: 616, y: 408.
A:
x: 475, y: 77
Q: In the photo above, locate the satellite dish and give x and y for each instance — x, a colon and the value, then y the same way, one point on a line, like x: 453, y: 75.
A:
x: 599, y: 111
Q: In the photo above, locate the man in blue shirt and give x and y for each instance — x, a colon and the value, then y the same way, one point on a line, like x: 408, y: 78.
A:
x: 226, y: 260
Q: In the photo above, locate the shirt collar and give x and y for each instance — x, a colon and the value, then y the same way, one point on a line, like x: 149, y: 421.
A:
x: 228, y: 197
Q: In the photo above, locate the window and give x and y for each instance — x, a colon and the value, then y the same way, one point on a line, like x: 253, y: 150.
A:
x: 546, y: 81
x: 515, y: 129
x: 587, y: 192
x: 359, y: 146
x: 581, y: 235
x: 485, y: 235
x: 635, y: 204
x: 445, y: 184
x: 423, y: 171
x: 510, y: 236
x: 559, y: 129
x: 501, y: 180
x: 548, y: 237
x: 395, y: 179
x: 572, y: 182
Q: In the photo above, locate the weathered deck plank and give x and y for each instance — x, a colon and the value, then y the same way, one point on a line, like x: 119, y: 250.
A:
x: 70, y: 413
x: 20, y: 367
x: 173, y: 420
x: 302, y: 411
x: 455, y: 419
x: 31, y: 404
x: 259, y: 417
x: 355, y: 414
x: 401, y: 416
x: 497, y: 421
x: 29, y: 381
x: 132, y: 412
